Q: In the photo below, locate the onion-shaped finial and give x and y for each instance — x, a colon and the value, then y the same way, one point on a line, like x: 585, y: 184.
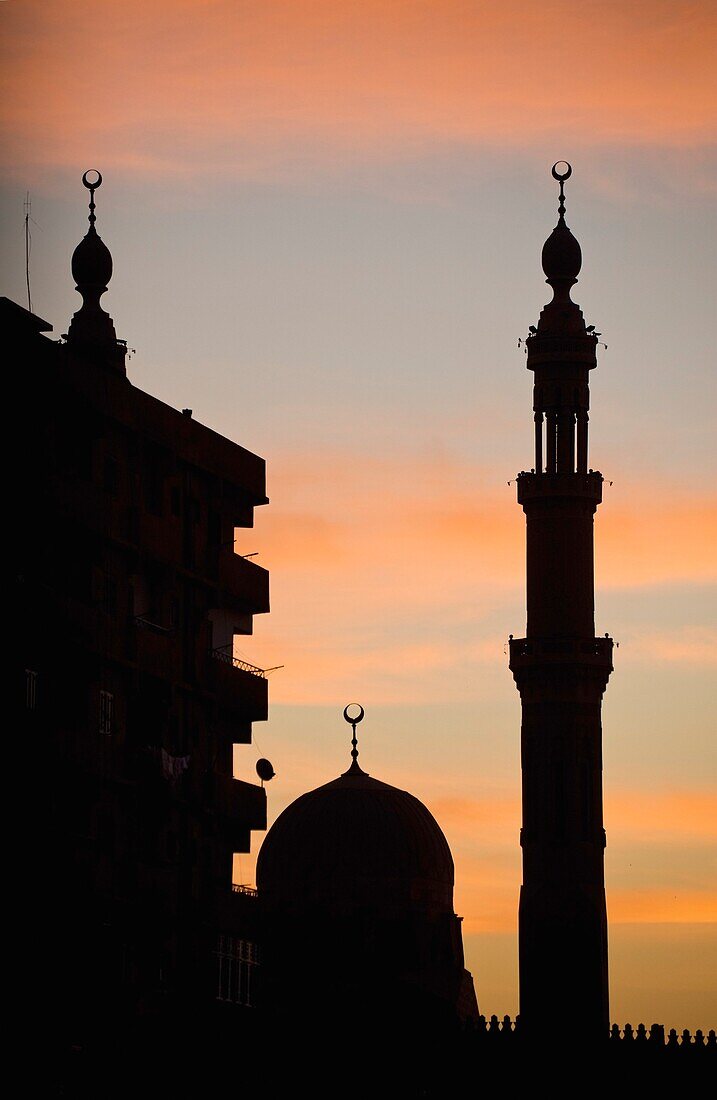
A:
x: 562, y: 257
x: 91, y: 326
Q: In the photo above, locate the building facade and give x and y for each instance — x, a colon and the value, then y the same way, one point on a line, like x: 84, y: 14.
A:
x: 132, y: 588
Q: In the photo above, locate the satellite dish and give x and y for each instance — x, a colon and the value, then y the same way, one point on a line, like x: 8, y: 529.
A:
x: 265, y: 770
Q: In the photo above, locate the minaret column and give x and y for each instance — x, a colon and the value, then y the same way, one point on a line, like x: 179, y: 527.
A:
x: 561, y: 670
x: 582, y: 441
x: 538, y: 418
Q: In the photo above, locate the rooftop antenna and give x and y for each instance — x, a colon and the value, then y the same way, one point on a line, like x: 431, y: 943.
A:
x: 353, y: 721
x: 28, y: 244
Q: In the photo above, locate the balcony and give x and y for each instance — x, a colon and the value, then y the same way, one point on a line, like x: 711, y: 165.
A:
x: 237, y: 911
x: 561, y: 350
x: 245, y: 581
x: 532, y: 651
x: 549, y: 486
x: 240, y: 687
x: 241, y: 807
x: 154, y: 647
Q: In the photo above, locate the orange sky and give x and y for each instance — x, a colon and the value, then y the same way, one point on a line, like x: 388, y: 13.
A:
x: 326, y: 219
x: 433, y: 536
x: 654, y: 817
x: 262, y: 89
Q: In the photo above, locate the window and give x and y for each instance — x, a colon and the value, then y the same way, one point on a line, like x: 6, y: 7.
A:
x: 30, y: 689
x: 107, y: 706
x: 214, y: 527
x: 76, y: 450
x: 155, y: 496
x: 154, y: 482
x: 109, y: 596
x: 125, y: 963
x: 111, y: 476
x: 236, y: 962
x: 133, y: 523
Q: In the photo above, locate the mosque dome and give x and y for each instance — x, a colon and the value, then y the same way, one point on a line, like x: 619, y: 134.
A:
x: 355, y: 882
x: 356, y: 842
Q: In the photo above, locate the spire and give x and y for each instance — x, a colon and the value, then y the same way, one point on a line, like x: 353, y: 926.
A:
x: 91, y: 328
x: 562, y: 260
x: 353, y: 722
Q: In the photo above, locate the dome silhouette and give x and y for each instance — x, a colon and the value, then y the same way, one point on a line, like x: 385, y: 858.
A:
x: 357, y: 841
x: 355, y: 883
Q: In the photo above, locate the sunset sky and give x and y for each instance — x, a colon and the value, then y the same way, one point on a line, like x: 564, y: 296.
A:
x: 326, y: 221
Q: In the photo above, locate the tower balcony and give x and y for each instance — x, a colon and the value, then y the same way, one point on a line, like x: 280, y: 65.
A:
x: 537, y: 487
x: 561, y: 350
x: 541, y: 664
x: 528, y: 651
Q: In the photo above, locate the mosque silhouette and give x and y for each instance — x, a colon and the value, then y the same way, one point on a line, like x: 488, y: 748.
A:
x: 342, y: 973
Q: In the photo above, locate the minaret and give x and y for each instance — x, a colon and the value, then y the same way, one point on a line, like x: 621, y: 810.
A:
x: 91, y: 331
x: 561, y: 670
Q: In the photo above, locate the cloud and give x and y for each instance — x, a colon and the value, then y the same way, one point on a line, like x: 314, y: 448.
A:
x: 483, y: 833
x: 410, y: 571
x: 662, y: 906
x: 662, y: 542
x: 694, y: 646
x: 676, y: 817
x: 636, y: 815
x: 277, y: 88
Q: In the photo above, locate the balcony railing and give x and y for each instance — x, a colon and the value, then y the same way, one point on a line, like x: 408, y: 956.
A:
x: 544, y: 653
x: 561, y: 647
x: 230, y: 659
x: 247, y: 891
x: 149, y: 624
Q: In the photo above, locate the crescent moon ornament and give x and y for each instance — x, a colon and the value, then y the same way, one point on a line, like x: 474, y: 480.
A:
x: 353, y: 722
x: 92, y: 186
x: 562, y: 176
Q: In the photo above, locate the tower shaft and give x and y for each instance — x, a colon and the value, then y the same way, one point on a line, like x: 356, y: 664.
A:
x: 561, y: 670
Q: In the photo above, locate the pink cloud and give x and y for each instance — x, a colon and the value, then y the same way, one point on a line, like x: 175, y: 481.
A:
x: 483, y: 833
x: 275, y: 88
x: 354, y: 543
x: 483, y: 830
x: 662, y: 906
x: 694, y: 646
